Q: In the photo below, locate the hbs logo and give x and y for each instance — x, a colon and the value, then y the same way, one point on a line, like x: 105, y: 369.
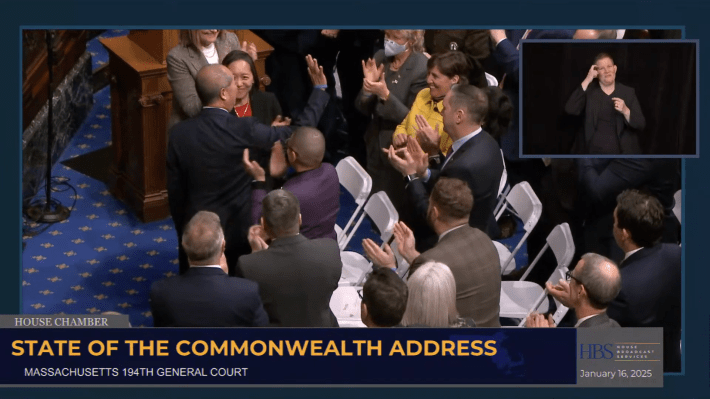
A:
x: 595, y: 351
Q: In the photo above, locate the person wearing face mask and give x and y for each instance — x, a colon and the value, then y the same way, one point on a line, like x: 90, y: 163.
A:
x: 424, y: 121
x: 393, y: 78
x: 612, y: 112
x: 197, y: 48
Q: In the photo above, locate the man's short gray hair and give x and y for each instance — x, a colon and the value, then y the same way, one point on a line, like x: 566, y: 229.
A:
x: 601, y: 278
x: 203, y: 237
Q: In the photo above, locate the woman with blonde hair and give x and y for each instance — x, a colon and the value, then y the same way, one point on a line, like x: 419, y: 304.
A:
x: 432, y: 299
x: 197, y: 48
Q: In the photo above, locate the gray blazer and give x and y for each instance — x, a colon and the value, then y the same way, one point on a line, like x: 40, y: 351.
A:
x: 475, y: 264
x: 601, y: 320
x: 183, y: 65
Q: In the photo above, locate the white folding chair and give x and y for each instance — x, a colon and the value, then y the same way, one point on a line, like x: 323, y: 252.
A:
x: 523, y: 202
x: 503, y: 187
x: 561, y: 310
x: 519, y: 298
x: 492, y: 81
x: 383, y: 214
x: 677, y: 198
x: 345, y: 304
x: 358, y: 183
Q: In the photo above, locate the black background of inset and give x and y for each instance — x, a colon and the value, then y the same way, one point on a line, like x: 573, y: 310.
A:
x: 662, y: 74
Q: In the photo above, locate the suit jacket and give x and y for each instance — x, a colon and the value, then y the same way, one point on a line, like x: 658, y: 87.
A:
x: 206, y: 297
x: 183, y: 65
x: 601, y: 320
x: 296, y: 278
x: 205, y: 171
x: 651, y: 297
x: 591, y: 100
x: 475, y: 264
x: 478, y: 163
x: 318, y: 193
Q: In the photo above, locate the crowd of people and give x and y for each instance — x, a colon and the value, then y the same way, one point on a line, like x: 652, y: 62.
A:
x: 255, y: 196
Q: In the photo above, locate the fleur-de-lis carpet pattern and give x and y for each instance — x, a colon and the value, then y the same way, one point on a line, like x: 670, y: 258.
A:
x: 102, y: 258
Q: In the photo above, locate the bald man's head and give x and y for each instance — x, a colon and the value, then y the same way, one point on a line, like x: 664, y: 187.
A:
x: 591, y: 34
x: 210, y: 81
x: 309, y: 145
x: 601, y: 279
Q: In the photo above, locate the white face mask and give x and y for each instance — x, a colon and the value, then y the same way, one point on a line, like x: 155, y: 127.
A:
x: 393, y: 48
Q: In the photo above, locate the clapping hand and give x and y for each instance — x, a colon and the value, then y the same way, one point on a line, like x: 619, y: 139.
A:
x: 378, y: 256
x: 428, y: 137
x: 561, y: 292
x: 257, y: 238
x: 404, y: 237
x: 278, y: 164
x: 538, y: 320
x: 371, y: 71
x: 253, y: 168
x: 399, y: 141
x: 421, y: 159
x: 250, y: 49
x: 315, y: 71
x: 378, y: 88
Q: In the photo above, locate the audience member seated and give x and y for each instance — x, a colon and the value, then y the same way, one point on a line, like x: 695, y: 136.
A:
x: 467, y: 251
x: 432, y: 299
x: 392, y: 81
x: 203, y: 172
x: 196, y: 49
x: 384, y: 298
x: 296, y: 275
x: 315, y: 183
x: 651, y: 273
x: 474, y: 158
x: 425, y: 119
x: 588, y: 289
x: 473, y: 43
x: 205, y: 296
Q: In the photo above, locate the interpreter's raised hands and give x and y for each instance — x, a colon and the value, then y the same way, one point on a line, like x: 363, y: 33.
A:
x: 378, y: 256
x: 427, y: 136
x: 620, y: 106
x: 278, y: 164
x: 253, y: 168
x: 315, y: 71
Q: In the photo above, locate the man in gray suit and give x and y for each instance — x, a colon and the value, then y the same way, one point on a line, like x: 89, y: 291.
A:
x: 296, y: 276
x: 589, y: 289
x: 466, y: 250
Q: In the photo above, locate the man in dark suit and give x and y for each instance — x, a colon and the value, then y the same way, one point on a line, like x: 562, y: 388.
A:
x: 206, y: 296
x: 314, y: 183
x: 474, y: 158
x: 203, y: 168
x: 296, y: 276
x: 589, y: 289
x: 467, y: 251
x: 651, y: 291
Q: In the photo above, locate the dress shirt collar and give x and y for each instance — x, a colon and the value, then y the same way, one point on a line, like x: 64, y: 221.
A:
x: 217, y: 266
x: 626, y: 256
x: 458, y: 143
x: 450, y: 230
x: 580, y: 321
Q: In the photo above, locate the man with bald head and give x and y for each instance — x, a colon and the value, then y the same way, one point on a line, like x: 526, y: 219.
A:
x: 589, y: 289
x: 592, y: 34
x: 203, y: 168
x: 296, y: 275
x: 314, y: 183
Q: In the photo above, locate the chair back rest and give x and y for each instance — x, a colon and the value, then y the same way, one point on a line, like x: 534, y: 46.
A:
x: 503, y: 176
x: 562, y: 245
x: 383, y: 214
x: 491, y: 80
x: 677, y: 198
x: 355, y: 179
x: 526, y: 205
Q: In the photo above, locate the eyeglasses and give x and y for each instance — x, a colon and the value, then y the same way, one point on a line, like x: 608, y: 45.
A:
x: 359, y: 293
x: 569, y: 276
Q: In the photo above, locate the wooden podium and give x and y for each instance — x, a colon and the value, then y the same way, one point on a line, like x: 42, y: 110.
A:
x: 141, y: 102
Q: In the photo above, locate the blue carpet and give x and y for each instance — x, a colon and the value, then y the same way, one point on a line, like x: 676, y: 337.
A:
x: 99, y: 55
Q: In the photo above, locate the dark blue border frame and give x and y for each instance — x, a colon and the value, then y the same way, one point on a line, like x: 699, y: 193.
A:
x: 616, y: 42
x: 451, y: 13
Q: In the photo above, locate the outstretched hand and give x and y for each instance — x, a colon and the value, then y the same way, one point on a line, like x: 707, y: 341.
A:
x: 281, y: 121
x: 379, y: 256
x: 315, y: 71
x: 278, y: 164
x: 404, y: 237
x: 250, y: 49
